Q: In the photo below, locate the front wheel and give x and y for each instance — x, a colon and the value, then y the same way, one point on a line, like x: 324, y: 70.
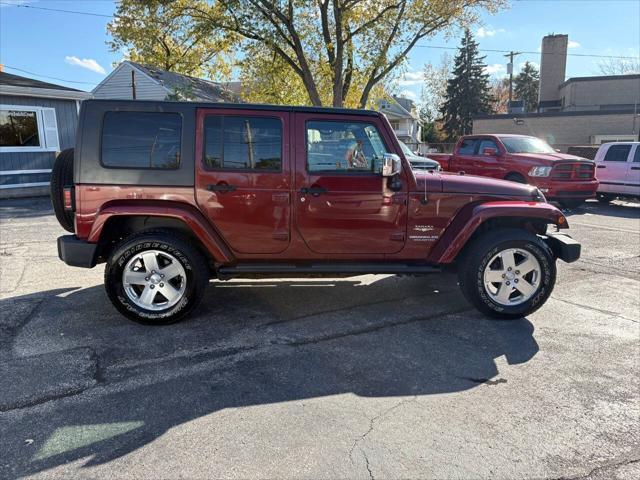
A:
x: 156, y: 278
x: 605, y: 198
x: 571, y: 203
x: 507, y: 273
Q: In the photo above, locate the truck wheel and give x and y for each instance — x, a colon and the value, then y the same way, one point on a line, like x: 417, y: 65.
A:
x: 605, y: 198
x: 571, y: 203
x: 515, y: 177
x: 156, y: 277
x: 62, y: 176
x: 507, y: 273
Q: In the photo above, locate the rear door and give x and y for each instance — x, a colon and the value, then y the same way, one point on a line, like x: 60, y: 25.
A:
x: 243, y: 177
x: 464, y: 160
x: 342, y: 205
x: 611, y: 171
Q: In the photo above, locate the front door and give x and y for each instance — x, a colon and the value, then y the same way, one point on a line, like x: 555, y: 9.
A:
x: 487, y: 165
x: 243, y: 177
x: 633, y: 174
x: 342, y: 204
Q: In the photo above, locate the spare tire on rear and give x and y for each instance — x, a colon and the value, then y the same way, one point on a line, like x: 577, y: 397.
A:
x: 62, y: 176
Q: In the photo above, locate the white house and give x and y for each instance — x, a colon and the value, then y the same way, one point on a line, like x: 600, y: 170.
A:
x: 403, y: 117
x: 130, y: 80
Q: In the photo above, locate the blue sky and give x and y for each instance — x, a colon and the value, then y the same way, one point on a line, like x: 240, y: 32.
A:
x: 73, y: 47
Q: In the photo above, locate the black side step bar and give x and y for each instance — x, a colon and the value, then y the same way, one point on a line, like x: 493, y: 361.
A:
x: 326, y: 268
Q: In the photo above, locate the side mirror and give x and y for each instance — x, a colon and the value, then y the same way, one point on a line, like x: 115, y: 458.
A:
x: 490, y: 152
x: 391, y: 165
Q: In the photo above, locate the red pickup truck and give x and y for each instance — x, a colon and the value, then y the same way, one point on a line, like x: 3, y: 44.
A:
x: 567, y: 179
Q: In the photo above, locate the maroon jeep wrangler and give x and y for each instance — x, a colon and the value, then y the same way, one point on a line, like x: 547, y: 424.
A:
x: 172, y: 194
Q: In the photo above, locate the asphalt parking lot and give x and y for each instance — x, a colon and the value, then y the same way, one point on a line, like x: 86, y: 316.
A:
x: 366, y: 377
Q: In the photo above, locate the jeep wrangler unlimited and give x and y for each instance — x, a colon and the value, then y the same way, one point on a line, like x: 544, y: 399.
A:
x: 172, y: 194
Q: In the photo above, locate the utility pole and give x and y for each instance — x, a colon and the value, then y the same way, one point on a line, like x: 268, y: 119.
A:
x: 133, y: 84
x: 510, y: 72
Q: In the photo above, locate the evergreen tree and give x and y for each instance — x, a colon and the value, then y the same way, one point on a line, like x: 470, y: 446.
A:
x: 526, y: 86
x: 468, y: 92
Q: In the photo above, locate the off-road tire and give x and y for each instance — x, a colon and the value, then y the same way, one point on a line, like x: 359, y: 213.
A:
x: 515, y: 177
x: 193, y: 262
x: 62, y: 176
x: 472, y: 264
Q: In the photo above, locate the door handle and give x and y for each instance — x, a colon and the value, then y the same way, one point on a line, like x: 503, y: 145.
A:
x: 221, y: 187
x: 635, y: 168
x: 315, y: 191
x: 601, y: 166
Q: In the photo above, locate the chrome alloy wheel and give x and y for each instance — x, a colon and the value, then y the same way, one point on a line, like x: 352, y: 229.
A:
x: 512, y: 276
x: 154, y: 280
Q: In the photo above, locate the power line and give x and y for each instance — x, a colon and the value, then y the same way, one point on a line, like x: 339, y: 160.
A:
x: 56, y: 10
x: 419, y: 46
x: 45, y: 76
x: 533, y: 53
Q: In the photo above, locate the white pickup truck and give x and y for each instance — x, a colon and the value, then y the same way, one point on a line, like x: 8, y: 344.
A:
x: 618, y: 170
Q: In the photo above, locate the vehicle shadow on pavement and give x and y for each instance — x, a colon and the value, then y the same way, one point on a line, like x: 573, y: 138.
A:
x: 619, y: 210
x: 250, y: 347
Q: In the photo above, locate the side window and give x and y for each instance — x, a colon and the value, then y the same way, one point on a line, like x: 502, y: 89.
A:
x: 148, y: 140
x: 617, y: 153
x: 487, y: 144
x: 468, y: 146
x: 242, y: 143
x: 636, y: 157
x: 344, y: 147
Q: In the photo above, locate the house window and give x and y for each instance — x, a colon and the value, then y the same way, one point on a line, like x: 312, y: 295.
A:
x: 28, y: 129
x: 395, y: 124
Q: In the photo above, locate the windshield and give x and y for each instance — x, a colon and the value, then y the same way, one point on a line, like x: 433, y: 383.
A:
x: 526, y: 145
x: 406, y: 150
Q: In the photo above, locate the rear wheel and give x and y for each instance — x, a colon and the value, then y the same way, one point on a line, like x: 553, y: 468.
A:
x: 605, y: 197
x: 62, y: 176
x: 156, y: 278
x: 507, y: 273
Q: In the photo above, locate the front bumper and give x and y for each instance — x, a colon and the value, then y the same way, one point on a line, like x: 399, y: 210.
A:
x: 76, y: 252
x: 556, y: 190
x: 563, y: 246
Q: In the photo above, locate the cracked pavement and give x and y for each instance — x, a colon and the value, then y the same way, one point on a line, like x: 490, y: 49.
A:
x: 369, y: 377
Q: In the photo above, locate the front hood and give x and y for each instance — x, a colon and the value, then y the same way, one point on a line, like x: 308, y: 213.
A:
x: 550, y: 157
x: 453, y: 183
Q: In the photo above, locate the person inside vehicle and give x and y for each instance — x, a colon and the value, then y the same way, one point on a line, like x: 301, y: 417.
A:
x: 355, y: 156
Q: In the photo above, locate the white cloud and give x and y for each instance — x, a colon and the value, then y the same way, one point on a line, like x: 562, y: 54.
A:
x: 13, y: 3
x: 487, y: 32
x: 411, y: 78
x: 573, y: 44
x: 88, y: 63
x: 496, y: 69
x: 409, y: 94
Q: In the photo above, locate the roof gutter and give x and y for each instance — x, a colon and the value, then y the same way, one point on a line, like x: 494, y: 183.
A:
x: 44, y: 92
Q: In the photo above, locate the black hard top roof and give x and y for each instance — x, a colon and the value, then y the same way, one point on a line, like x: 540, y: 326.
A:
x: 241, y: 106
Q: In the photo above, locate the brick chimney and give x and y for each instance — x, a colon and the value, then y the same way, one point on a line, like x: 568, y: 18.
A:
x: 553, y: 67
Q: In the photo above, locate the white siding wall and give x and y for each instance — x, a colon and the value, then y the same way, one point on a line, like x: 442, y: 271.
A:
x: 118, y: 86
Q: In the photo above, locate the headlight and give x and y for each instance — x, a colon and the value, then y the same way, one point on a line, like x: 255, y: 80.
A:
x: 540, y: 172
